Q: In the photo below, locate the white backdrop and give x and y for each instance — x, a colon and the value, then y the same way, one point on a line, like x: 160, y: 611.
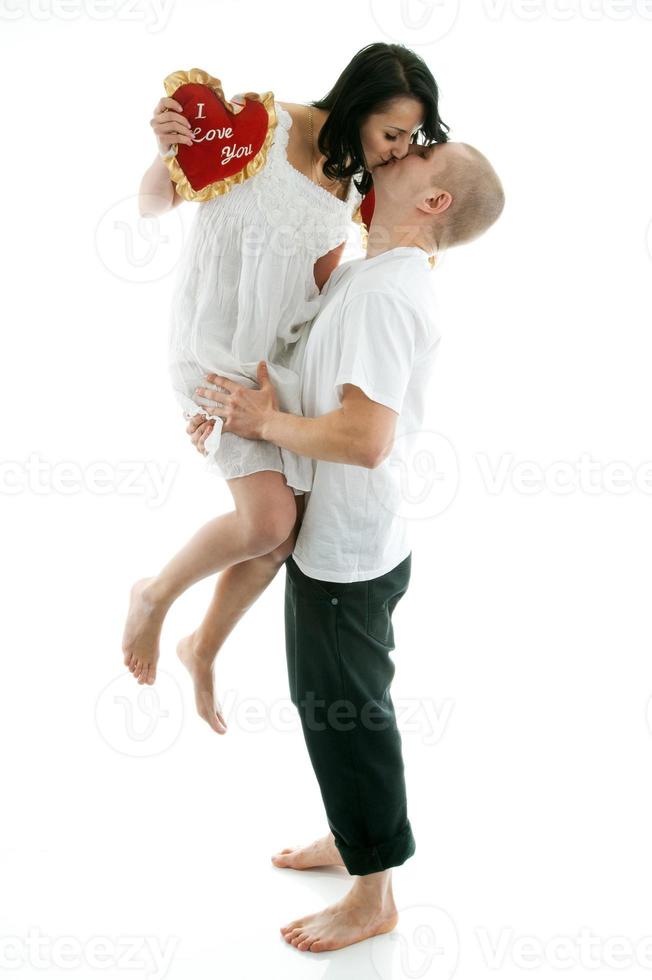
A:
x: 134, y: 838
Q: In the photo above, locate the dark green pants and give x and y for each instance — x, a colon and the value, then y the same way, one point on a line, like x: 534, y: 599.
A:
x: 338, y: 641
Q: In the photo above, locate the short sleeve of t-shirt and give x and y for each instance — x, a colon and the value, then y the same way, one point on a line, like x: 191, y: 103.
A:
x: 379, y: 338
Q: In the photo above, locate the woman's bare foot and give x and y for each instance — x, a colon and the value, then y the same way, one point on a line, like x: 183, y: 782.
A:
x: 200, y: 667
x: 315, y: 855
x: 355, y: 917
x: 142, y: 632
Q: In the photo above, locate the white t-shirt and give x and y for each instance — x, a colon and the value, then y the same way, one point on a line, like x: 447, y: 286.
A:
x: 376, y: 329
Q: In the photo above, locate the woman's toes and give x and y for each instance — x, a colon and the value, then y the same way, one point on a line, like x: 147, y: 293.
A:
x: 303, y: 941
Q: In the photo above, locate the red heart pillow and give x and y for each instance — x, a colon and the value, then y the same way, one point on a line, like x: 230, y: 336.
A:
x: 230, y: 139
x: 367, y: 208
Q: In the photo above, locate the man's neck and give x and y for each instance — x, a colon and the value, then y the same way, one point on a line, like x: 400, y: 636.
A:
x: 389, y: 231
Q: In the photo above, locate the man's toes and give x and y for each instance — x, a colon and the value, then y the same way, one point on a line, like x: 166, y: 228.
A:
x: 303, y: 941
x: 144, y: 674
x: 318, y: 946
x: 295, y: 924
x: 292, y: 927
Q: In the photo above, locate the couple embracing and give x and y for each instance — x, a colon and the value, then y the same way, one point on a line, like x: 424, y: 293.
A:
x: 304, y: 380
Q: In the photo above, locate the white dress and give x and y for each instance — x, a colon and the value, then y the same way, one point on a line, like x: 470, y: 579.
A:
x: 245, y: 292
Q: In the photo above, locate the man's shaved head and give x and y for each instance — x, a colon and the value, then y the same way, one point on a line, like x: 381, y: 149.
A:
x: 476, y: 190
x: 437, y: 196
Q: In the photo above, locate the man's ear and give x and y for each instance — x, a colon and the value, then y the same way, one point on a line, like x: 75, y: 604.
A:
x: 437, y: 204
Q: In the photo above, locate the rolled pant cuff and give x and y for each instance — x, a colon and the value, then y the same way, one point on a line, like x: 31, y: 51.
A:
x: 380, y: 857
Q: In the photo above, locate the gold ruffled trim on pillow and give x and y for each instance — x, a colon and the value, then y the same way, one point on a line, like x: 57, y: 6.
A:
x: 223, y: 186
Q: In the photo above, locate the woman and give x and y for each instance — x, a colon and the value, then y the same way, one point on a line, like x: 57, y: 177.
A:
x: 236, y: 305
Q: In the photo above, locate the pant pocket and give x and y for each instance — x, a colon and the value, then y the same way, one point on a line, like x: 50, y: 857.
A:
x: 382, y: 596
x: 379, y: 624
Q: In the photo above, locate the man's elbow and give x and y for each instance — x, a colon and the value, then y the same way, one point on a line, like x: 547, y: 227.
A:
x: 373, y: 455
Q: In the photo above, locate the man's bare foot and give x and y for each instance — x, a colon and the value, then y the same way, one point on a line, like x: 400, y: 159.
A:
x: 142, y: 632
x: 200, y: 668
x: 315, y: 855
x: 354, y: 918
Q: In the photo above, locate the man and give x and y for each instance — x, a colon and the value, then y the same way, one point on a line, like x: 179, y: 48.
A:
x: 366, y: 365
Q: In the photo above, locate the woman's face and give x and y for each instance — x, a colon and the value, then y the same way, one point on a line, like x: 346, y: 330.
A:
x: 388, y: 134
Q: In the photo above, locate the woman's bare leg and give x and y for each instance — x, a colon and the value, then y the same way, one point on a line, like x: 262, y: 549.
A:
x: 237, y: 589
x: 263, y: 519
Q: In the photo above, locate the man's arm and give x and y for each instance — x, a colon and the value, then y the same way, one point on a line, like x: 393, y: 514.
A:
x: 379, y: 340
x: 361, y: 432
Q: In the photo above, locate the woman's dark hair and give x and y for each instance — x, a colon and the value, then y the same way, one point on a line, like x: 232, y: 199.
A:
x: 376, y: 76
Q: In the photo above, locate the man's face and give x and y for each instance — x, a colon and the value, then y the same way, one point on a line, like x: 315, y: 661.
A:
x: 412, y: 178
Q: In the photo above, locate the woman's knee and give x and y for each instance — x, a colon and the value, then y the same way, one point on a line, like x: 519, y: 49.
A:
x: 266, y: 509
x: 280, y: 554
x: 270, y: 530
